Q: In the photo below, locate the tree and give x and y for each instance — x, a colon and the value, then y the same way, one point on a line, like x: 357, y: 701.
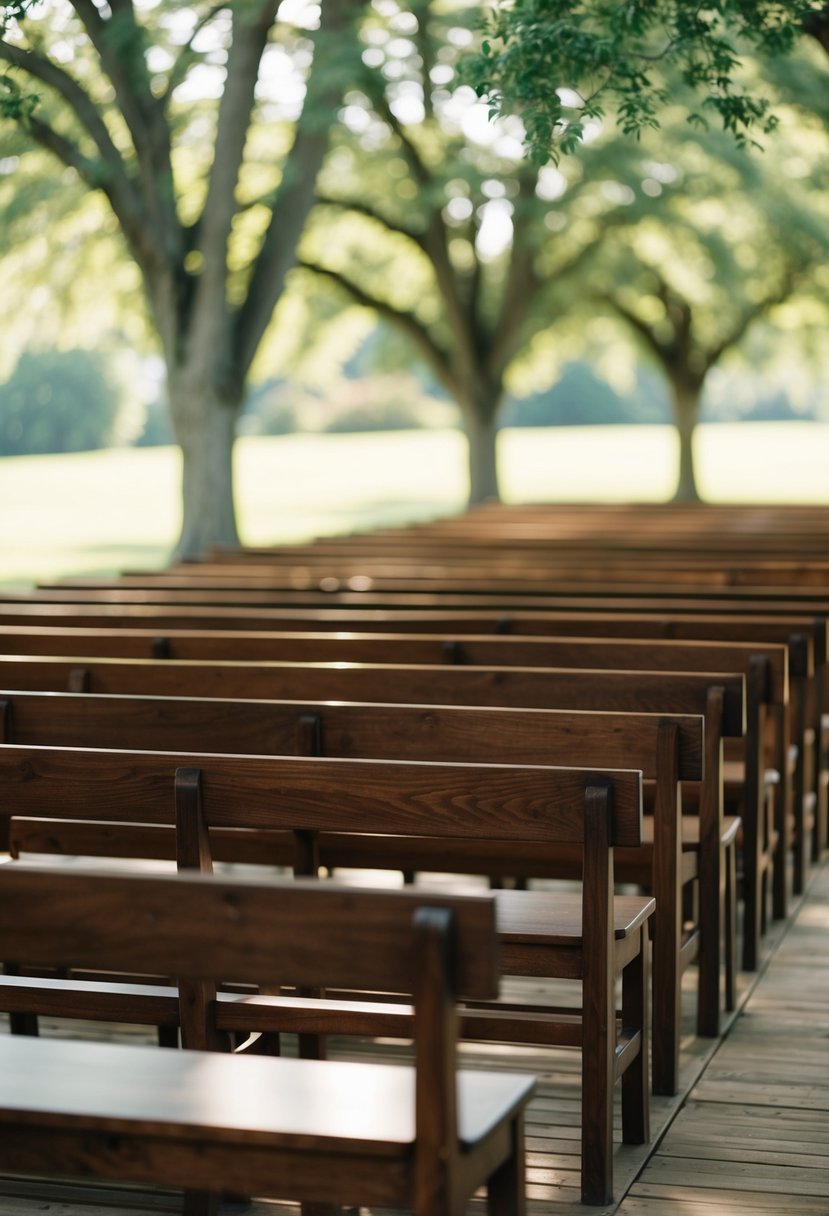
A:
x: 183, y: 116
x: 560, y: 62
x: 57, y: 401
x: 433, y: 219
x: 730, y: 242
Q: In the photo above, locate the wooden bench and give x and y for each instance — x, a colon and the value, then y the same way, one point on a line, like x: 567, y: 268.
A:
x: 506, y: 568
x: 798, y: 816
x: 668, y: 749
x: 764, y: 850
x: 422, y: 1137
x: 358, y: 592
x: 592, y: 938
x: 512, y: 687
x: 741, y: 621
x: 514, y: 545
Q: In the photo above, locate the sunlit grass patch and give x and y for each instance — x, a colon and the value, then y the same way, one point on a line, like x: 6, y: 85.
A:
x: 100, y: 512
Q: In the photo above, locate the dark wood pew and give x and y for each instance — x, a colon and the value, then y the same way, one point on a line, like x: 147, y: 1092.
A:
x: 767, y: 529
x: 728, y: 544
x: 592, y: 938
x: 266, y: 1125
x: 668, y: 749
x: 357, y: 591
x: 804, y: 824
x: 468, y: 617
x: 806, y: 637
x: 806, y: 641
x: 765, y: 851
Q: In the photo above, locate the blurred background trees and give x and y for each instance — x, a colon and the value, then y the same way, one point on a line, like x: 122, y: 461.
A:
x: 203, y: 128
x: 58, y: 401
x: 286, y: 233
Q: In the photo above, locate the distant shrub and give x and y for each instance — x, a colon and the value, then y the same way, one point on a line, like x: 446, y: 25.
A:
x: 269, y: 410
x: 57, y: 401
x: 158, y: 429
x: 581, y: 398
x: 391, y: 416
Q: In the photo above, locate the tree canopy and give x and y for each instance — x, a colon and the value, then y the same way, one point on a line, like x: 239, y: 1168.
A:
x: 210, y: 133
x: 203, y: 127
x: 560, y: 62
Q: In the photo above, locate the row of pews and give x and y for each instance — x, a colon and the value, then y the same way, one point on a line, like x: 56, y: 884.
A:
x: 567, y: 702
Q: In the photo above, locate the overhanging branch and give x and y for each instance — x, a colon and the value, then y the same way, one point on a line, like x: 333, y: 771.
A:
x: 402, y: 319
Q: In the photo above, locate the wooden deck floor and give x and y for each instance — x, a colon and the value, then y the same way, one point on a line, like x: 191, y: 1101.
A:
x: 749, y: 1132
x: 753, y: 1135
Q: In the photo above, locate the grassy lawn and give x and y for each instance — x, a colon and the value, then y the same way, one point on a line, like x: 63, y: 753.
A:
x: 102, y: 512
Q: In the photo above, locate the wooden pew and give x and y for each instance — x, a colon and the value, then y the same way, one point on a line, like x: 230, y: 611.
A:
x: 765, y: 851
x: 592, y: 938
x: 800, y: 813
x: 805, y: 636
x: 356, y: 591
x: 515, y: 545
x: 668, y: 749
x: 324, y: 1131
x: 541, y: 568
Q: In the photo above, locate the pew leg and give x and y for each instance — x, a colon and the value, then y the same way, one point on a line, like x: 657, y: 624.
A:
x: 21, y: 1023
x: 200, y: 1203
x: 506, y: 1192
x: 752, y: 890
x: 635, y: 1079
x: 779, y: 880
x: 667, y: 998
x: 730, y: 927
x: 24, y: 1024
x: 713, y: 896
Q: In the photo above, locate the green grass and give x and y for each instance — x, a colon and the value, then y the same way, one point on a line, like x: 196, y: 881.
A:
x: 100, y: 512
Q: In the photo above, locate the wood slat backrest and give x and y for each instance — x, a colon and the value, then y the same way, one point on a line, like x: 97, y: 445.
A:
x: 654, y: 654
x: 291, y: 932
x: 440, y: 597
x: 394, y: 732
x: 422, y: 684
x: 647, y: 606
x: 131, y: 641
x: 450, y: 801
x: 478, y: 571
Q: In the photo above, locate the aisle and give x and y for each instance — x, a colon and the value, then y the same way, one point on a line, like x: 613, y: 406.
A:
x: 753, y: 1136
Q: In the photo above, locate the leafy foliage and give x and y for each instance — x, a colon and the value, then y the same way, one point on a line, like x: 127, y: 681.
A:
x: 57, y: 401
x: 558, y: 63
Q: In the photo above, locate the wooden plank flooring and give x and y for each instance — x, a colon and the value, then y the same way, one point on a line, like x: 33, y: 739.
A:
x: 753, y: 1136
x: 749, y: 1131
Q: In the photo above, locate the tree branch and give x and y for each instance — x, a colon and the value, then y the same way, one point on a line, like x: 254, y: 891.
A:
x: 296, y: 194
x: 402, y: 319
x: 249, y: 40
x: 365, y: 209
x: 119, y: 43
x: 187, y: 56
x: 377, y: 96
x: 131, y: 219
x: 124, y: 70
x: 521, y: 287
x: 79, y: 102
x: 637, y: 325
x: 740, y: 327
x: 109, y: 174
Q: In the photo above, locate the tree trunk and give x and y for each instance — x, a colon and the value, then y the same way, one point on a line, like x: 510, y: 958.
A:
x: 686, y: 406
x: 483, y: 470
x: 205, y: 425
